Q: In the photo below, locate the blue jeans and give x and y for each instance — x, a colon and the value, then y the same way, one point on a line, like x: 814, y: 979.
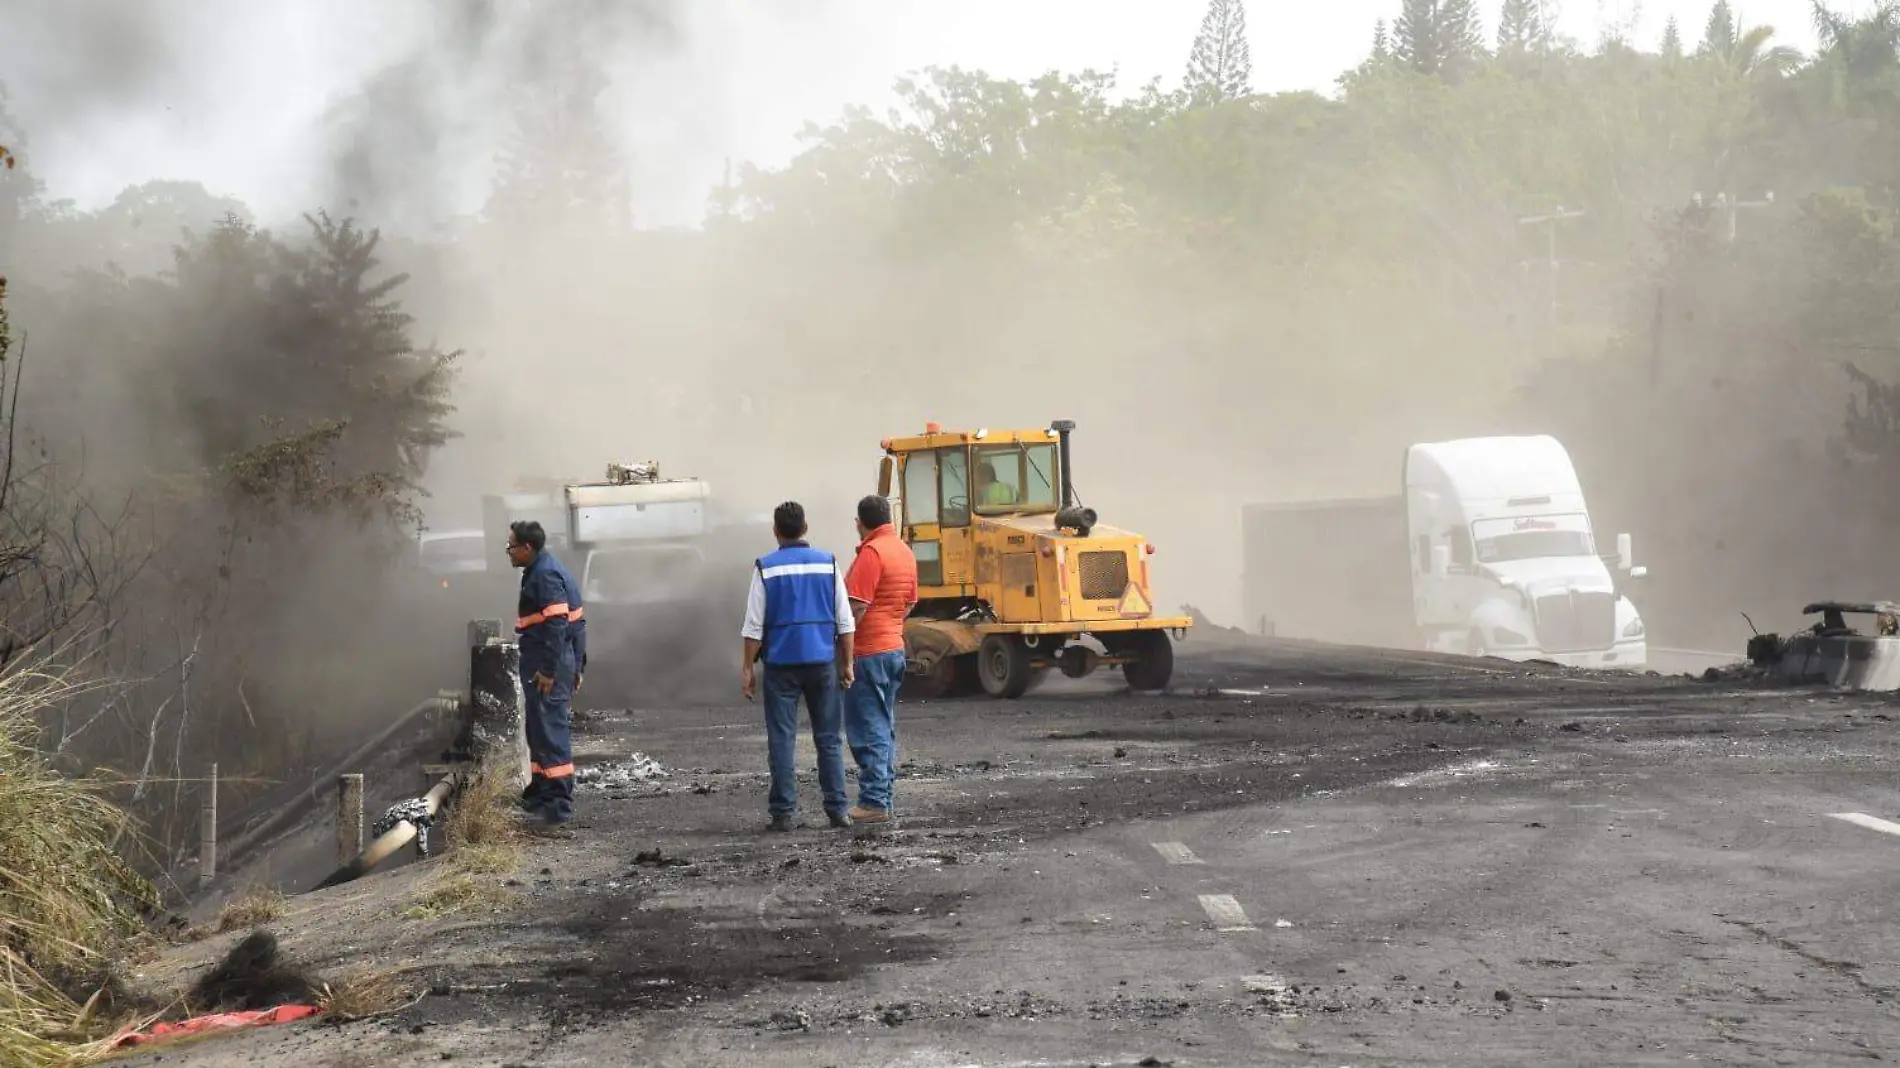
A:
x: 550, y: 747
x: 870, y: 718
x: 818, y: 685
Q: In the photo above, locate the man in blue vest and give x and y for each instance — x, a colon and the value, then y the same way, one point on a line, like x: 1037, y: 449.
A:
x: 553, y: 651
x: 798, y: 622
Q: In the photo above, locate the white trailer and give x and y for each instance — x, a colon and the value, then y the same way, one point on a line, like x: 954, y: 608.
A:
x: 1491, y: 538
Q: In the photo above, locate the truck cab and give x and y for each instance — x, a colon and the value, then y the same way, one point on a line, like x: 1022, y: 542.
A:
x: 1504, y: 559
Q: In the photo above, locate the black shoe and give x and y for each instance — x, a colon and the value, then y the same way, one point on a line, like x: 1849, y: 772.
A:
x: 838, y: 819
x: 781, y: 822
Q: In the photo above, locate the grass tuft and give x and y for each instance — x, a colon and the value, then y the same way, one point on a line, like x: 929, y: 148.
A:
x: 258, y: 905
x: 362, y: 993
x: 482, y: 816
x: 68, y: 899
x: 458, y: 892
x: 485, y: 845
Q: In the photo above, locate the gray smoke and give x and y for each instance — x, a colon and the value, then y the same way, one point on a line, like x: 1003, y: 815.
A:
x: 425, y: 127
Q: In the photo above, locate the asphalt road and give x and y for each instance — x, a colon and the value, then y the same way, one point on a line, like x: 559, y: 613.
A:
x: 1302, y: 856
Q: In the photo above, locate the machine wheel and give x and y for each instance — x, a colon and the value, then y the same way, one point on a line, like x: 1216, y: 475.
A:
x: 950, y: 676
x: 1153, y: 665
x: 1003, y: 665
x: 1474, y: 643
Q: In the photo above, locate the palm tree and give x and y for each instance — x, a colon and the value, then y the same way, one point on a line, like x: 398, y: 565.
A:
x: 1753, y: 57
x: 1859, y: 50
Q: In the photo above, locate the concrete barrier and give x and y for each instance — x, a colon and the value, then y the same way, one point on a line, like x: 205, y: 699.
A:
x: 1848, y: 662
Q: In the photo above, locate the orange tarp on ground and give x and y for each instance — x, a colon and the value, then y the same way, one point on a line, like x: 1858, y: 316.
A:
x: 218, y: 1021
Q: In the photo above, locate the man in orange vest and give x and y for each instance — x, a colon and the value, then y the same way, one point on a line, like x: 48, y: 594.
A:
x: 882, y: 586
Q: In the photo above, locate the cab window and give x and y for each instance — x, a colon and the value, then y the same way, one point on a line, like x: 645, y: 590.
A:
x: 920, y: 488
x: 1462, y: 552
x: 955, y: 467
x: 1015, y: 478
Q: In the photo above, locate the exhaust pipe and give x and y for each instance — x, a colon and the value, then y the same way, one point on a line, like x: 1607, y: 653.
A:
x: 1071, y: 516
x: 1063, y: 428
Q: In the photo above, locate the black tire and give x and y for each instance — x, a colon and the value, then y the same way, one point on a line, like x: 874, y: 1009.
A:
x: 950, y: 676
x: 1002, y: 663
x: 1153, y: 665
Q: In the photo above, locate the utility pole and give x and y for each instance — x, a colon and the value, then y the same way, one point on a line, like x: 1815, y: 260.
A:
x: 1549, y: 222
x: 1730, y: 205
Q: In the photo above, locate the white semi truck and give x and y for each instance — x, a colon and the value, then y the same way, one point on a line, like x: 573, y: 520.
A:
x: 1488, y: 551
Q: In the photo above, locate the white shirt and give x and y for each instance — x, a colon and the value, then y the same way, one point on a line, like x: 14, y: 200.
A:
x: 755, y: 608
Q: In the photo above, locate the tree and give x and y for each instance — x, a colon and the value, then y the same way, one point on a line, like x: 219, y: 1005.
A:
x: 1220, y: 66
x: 1719, y: 35
x: 1861, y: 50
x: 1461, y: 35
x: 561, y: 172
x: 1381, y: 42
x: 1521, y: 28
x: 1671, y: 40
x: 1416, y: 39
x: 1439, y: 37
x: 19, y: 190
x: 1753, y: 56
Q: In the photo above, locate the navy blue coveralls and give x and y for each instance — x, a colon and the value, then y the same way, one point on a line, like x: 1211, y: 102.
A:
x: 553, y: 638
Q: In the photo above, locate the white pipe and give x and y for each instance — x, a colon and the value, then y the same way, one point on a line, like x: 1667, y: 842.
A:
x: 393, y: 839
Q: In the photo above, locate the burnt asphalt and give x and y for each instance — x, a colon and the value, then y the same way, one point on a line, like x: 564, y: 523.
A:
x: 1302, y: 855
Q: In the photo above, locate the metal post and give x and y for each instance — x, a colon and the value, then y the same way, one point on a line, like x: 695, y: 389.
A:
x: 349, y: 817
x: 208, y: 831
x: 1551, y: 262
x: 1731, y: 206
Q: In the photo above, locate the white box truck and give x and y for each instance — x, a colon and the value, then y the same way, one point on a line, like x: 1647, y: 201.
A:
x: 634, y: 541
x: 1488, y: 550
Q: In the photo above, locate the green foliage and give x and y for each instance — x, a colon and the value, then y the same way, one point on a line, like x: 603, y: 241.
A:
x: 252, y: 349
x: 1441, y: 37
x: 1719, y: 35
x: 1221, y: 65
x: 1521, y: 29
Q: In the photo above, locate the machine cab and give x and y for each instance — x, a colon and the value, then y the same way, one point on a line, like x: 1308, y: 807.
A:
x: 945, y: 482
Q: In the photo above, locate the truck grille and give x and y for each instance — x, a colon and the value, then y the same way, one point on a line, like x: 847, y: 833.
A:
x: 1574, y: 622
x: 1104, y: 575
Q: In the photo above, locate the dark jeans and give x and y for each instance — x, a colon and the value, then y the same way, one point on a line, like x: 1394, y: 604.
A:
x: 550, y: 747
x: 871, y: 720
x: 818, y: 684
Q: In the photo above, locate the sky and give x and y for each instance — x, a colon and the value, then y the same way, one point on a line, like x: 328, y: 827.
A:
x: 237, y: 93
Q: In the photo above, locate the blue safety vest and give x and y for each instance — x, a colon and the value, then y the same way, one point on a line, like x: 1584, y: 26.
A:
x: 801, y: 606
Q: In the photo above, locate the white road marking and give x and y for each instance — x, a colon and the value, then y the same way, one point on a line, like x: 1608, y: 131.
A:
x: 1447, y: 773
x: 1275, y: 995
x: 1872, y: 823
x: 1263, y: 984
x: 1226, y: 913
x: 1176, y: 853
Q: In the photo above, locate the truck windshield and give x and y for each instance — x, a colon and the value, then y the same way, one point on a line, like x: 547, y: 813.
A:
x: 1534, y: 545
x: 1015, y: 478
x: 642, y: 576
x: 455, y: 552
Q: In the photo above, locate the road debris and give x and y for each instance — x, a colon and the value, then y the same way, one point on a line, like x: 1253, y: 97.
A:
x: 638, y: 770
